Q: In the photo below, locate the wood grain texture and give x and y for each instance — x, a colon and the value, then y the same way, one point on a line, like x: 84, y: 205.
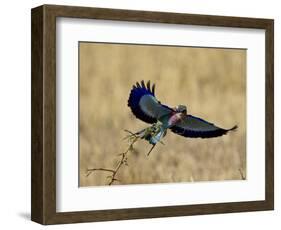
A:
x: 37, y: 116
x: 43, y: 158
x: 43, y: 116
x: 269, y: 116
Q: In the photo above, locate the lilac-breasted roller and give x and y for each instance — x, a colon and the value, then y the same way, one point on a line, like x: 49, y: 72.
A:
x: 146, y: 107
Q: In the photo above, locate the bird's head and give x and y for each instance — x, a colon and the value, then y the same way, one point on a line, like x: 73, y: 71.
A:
x: 181, y: 109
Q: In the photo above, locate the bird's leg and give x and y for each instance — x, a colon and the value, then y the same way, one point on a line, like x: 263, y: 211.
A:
x: 152, y: 134
x: 158, y: 132
x: 151, y: 149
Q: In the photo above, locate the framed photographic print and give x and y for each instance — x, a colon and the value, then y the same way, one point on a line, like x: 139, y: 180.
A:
x: 139, y: 114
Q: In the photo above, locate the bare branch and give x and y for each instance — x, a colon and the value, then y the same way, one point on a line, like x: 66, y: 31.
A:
x: 132, y: 138
x: 243, y: 177
x: 122, y: 161
x: 89, y: 171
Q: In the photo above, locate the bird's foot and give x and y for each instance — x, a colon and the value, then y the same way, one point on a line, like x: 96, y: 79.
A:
x: 151, y: 134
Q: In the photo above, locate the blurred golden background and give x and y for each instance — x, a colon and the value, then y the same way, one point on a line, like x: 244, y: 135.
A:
x: 211, y: 82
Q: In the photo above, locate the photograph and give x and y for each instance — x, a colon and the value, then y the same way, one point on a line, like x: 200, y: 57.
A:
x: 176, y: 109
x: 161, y: 114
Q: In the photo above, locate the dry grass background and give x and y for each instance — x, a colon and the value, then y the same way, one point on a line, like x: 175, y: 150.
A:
x: 211, y: 82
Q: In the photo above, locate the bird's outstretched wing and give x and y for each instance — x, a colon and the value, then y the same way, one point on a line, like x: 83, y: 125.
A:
x: 144, y: 104
x: 191, y: 126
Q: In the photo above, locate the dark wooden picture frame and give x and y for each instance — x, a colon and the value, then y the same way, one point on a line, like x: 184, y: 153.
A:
x: 43, y: 188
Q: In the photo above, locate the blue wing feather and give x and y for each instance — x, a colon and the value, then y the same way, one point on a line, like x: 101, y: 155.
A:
x: 196, y: 127
x: 144, y: 104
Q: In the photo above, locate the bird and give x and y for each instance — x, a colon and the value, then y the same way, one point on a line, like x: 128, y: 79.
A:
x: 146, y: 107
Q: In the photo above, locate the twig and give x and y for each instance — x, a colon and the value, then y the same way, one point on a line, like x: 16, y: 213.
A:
x: 122, y: 161
x: 241, y: 174
x: 98, y: 169
x: 146, y: 134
